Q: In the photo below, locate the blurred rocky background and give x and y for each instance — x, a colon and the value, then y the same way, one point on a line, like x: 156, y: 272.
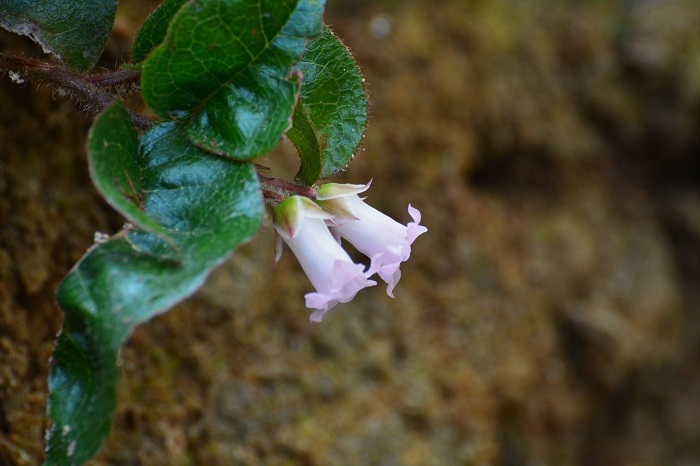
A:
x: 550, y: 316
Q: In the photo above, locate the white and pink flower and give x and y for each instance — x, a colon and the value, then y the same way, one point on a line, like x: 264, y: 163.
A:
x: 384, y: 240
x: 302, y: 225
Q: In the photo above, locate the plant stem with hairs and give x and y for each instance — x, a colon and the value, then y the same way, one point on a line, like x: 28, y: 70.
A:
x: 95, y: 90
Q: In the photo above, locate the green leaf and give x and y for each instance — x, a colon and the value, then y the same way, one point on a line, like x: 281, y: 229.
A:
x: 113, y: 148
x: 330, y: 120
x: 228, y: 65
x: 74, y: 31
x: 305, y: 139
x: 208, y: 205
x: 154, y: 29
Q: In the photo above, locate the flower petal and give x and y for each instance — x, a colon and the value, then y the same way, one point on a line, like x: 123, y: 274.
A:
x: 334, y: 275
x: 414, y: 229
x: 348, y: 279
x: 384, y: 240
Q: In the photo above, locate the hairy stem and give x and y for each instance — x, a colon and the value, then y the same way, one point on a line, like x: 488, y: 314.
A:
x: 290, y: 187
x: 272, y: 196
x: 113, y: 78
x: 99, y: 90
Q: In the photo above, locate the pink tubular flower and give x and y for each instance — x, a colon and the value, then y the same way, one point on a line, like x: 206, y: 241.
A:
x: 337, y: 279
x: 384, y: 240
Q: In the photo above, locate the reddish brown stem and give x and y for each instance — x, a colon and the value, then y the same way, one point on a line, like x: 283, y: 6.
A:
x: 272, y: 195
x: 114, y: 78
x: 84, y: 87
x: 288, y: 186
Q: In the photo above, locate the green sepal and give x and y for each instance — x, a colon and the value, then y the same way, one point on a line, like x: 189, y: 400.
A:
x: 288, y: 215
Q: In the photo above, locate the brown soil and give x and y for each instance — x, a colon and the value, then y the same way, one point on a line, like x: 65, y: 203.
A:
x: 549, y: 317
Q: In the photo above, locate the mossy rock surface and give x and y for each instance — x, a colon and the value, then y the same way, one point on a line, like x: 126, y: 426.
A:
x: 549, y: 316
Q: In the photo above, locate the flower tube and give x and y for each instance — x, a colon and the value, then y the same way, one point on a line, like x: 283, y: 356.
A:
x: 337, y: 279
x: 384, y: 240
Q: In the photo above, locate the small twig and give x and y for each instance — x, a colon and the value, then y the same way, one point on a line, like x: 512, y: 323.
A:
x: 113, y: 78
x: 288, y: 186
x: 93, y: 89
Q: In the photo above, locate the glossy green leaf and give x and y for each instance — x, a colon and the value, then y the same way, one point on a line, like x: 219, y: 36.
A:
x: 74, y: 31
x: 225, y: 66
x: 154, y: 29
x: 113, y: 149
x: 208, y: 205
x: 306, y: 140
x: 329, y: 122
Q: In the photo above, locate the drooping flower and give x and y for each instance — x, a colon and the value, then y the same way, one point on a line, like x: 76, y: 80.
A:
x: 384, y: 240
x: 337, y: 279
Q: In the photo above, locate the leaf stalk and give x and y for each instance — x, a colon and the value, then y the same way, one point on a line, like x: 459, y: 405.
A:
x: 287, y: 186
